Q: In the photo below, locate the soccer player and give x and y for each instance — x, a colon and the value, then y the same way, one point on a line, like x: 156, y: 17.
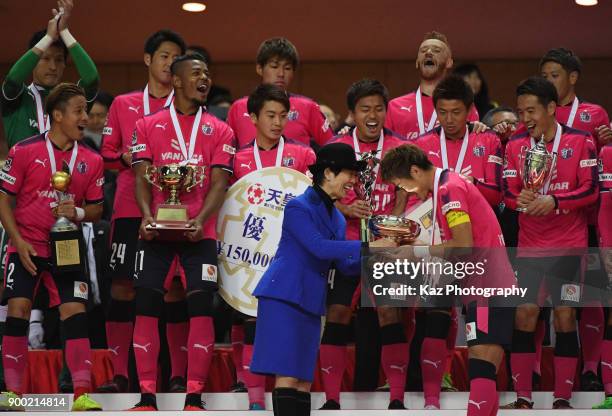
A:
x: 190, y: 137
x: 561, y: 67
x: 413, y: 114
x: 277, y: 60
x: 605, y: 232
x: 367, y: 102
x: 160, y: 49
x: 23, y: 105
x: 465, y: 219
x: 268, y: 106
x: 26, y: 187
x: 552, y: 235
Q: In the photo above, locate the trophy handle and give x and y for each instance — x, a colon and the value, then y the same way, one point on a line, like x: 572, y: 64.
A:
x: 152, y: 176
x: 197, y: 176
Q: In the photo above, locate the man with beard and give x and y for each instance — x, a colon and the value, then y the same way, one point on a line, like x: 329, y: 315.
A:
x: 203, y: 141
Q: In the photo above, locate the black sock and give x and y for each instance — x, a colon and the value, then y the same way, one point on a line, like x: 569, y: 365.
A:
x: 303, y: 403
x: 284, y: 401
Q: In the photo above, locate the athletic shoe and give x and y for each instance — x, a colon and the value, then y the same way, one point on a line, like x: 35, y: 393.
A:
x: 119, y: 384
x: 431, y: 407
x: 590, y: 382
x: 330, y: 405
x: 447, y: 383
x: 194, y: 402
x: 396, y: 405
x: 256, y: 406
x: 520, y: 403
x: 384, y: 387
x: 238, y: 387
x: 606, y: 404
x: 147, y: 403
x: 85, y: 403
x: 8, y: 404
x: 561, y: 404
x: 177, y: 385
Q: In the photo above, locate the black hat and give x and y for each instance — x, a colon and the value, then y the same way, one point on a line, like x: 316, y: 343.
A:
x: 338, y: 155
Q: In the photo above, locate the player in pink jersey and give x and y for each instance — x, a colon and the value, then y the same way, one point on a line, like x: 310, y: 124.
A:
x: 465, y: 219
x: 268, y: 106
x: 26, y: 187
x: 561, y: 67
x: 552, y: 235
x: 161, y: 48
x: 454, y: 145
x: 192, y: 137
x: 413, y: 114
x: 605, y: 237
x: 277, y: 61
x: 367, y: 104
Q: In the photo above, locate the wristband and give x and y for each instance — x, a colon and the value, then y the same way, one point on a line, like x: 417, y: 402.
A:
x: 36, y: 315
x: 80, y: 213
x: 44, y: 43
x: 421, y: 251
x: 67, y: 37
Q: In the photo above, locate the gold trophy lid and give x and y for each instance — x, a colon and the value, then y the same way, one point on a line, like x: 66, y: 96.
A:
x: 60, y: 181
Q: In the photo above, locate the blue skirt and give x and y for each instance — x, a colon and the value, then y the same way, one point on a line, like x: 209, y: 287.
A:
x: 286, y: 340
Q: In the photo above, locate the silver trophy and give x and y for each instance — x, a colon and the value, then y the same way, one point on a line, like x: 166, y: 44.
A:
x: 536, y: 167
x: 401, y: 229
x: 367, y: 180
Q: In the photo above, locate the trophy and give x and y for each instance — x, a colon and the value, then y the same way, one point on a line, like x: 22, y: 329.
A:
x: 536, y: 166
x: 65, y: 237
x: 401, y: 229
x: 367, y: 179
x: 171, y: 217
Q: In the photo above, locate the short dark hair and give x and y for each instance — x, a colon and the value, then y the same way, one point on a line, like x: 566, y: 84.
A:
x: 36, y: 37
x: 267, y: 92
x: 154, y: 41
x: 365, y: 88
x: 60, y: 95
x: 540, y: 87
x: 453, y: 87
x: 104, y: 98
x: 437, y: 36
x: 202, y: 51
x: 318, y: 173
x: 277, y: 48
x: 191, y: 57
x: 397, y: 162
x: 489, y: 116
x: 564, y: 57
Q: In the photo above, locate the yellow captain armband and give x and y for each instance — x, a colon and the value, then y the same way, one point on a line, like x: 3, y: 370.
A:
x: 455, y: 218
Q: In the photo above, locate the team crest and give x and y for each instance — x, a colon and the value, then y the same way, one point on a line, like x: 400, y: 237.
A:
x: 288, y: 161
x: 207, y: 129
x: 479, y: 150
x: 293, y: 115
x: 600, y: 166
x: 585, y: 117
x: 134, y: 138
x: 7, y: 164
x: 82, y: 167
x: 567, y: 152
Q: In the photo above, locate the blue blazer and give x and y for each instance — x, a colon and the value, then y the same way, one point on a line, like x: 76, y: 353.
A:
x: 310, y: 242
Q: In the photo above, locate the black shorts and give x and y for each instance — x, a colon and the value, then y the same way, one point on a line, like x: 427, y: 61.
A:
x: 595, y: 275
x: 63, y: 287
x: 124, y: 242
x: 198, y: 263
x: 561, y: 275
x: 492, y: 324
x: 340, y: 288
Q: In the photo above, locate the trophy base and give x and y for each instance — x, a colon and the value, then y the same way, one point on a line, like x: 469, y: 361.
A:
x: 170, y: 231
x: 67, y: 251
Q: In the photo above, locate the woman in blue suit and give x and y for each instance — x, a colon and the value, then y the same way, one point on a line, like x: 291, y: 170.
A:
x: 292, y: 292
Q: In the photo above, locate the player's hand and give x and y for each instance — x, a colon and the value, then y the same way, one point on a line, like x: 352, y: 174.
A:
x: 65, y: 8
x: 198, y: 233
x: 468, y: 178
x: 36, y: 336
x: 344, y: 130
x: 26, y: 251
x: 479, y: 127
x: 127, y: 158
x: 604, y: 134
x: 525, y: 198
x: 542, y: 205
x: 66, y: 209
x: 358, y: 209
x: 504, y: 130
x: 52, y: 29
x: 145, y: 233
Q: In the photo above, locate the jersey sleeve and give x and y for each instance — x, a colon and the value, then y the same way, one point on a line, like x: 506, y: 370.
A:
x: 141, y: 148
x: 453, y: 197
x: 605, y: 209
x: 511, y: 181
x: 491, y: 187
x: 225, y: 150
x: 87, y: 71
x: 13, y: 174
x: 602, y: 120
x: 321, y: 132
x: 13, y: 87
x: 112, y: 145
x: 309, y: 159
x: 95, y: 190
x: 586, y: 192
